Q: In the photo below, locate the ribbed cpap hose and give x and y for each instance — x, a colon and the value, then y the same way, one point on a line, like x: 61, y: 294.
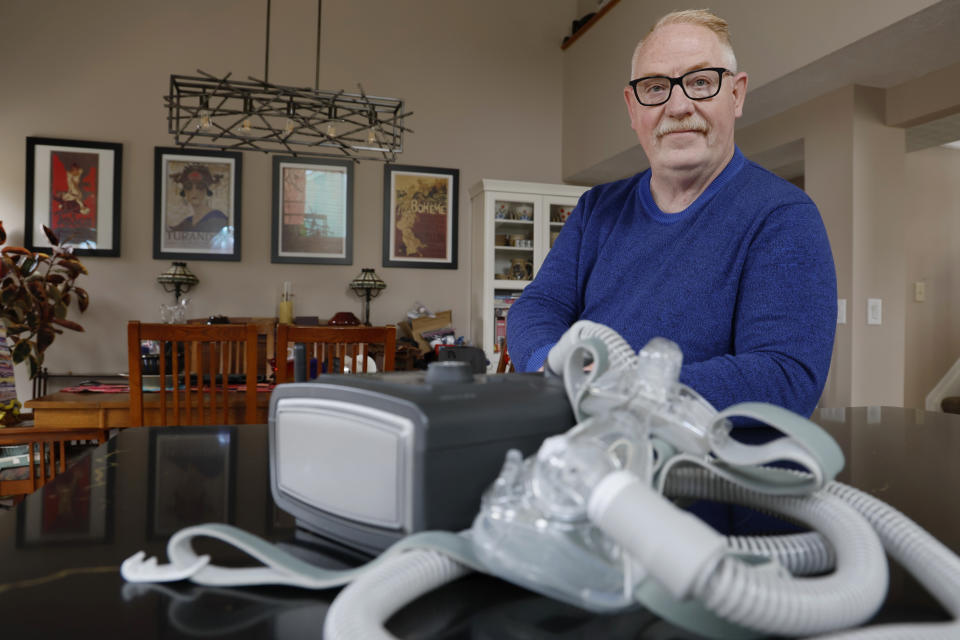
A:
x: 802, y: 554
x: 609, y: 351
x: 619, y: 351
x: 757, y: 598
x: 360, y: 611
x: 934, y: 565
x: 763, y: 598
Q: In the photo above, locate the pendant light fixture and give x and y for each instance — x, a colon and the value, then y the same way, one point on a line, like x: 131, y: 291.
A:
x: 206, y: 111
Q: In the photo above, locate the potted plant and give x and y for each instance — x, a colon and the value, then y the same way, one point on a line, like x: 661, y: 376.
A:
x: 36, y: 291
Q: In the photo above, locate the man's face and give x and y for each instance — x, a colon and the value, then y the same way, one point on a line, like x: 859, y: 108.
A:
x: 700, y: 137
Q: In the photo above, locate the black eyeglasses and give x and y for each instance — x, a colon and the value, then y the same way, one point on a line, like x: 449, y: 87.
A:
x: 699, y: 84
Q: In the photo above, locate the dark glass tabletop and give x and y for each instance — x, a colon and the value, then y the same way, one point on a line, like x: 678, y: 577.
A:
x: 61, y: 548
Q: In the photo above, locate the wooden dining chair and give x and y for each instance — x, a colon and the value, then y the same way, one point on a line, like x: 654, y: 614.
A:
x: 46, y: 453
x: 336, y: 348
x: 198, y: 358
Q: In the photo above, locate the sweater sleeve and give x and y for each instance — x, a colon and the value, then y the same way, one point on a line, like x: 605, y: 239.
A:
x: 784, y: 322
x: 549, y: 304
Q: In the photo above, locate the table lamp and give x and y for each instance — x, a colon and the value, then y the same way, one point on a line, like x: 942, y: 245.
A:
x: 367, y: 285
x: 177, y: 279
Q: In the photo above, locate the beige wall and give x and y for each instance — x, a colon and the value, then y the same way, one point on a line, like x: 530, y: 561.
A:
x: 932, y: 241
x: 934, y: 95
x: 482, y: 78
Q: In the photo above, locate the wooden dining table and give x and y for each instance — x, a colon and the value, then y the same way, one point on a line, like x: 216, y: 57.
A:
x: 106, y: 411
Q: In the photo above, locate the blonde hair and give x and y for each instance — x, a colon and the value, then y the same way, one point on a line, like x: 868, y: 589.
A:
x: 701, y: 18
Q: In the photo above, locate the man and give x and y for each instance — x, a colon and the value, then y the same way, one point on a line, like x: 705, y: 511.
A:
x: 705, y: 248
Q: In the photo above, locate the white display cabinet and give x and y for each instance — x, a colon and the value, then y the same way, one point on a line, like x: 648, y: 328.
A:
x: 513, y: 226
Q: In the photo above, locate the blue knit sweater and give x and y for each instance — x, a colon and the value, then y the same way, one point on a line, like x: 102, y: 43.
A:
x: 743, y: 280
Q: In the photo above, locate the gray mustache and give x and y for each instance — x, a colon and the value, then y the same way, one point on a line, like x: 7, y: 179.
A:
x: 691, y: 123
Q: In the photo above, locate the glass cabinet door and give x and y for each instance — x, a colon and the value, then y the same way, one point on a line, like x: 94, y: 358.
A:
x: 514, y: 227
x: 557, y: 210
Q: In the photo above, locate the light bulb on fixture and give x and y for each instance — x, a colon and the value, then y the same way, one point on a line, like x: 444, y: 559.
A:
x: 331, y: 127
x: 290, y: 124
x: 203, y: 113
x: 246, y: 126
x: 372, y: 132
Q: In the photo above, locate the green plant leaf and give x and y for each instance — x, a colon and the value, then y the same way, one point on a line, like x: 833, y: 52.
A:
x: 45, y: 337
x: 51, y: 236
x: 69, y: 324
x: 21, y: 350
x: 83, y: 299
x: 36, y: 289
x: 8, y: 296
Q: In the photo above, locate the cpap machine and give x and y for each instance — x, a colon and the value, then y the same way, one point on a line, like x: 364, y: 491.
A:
x: 580, y: 469
x: 367, y: 460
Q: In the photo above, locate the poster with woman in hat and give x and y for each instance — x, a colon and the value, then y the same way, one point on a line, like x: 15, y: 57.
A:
x: 198, y: 207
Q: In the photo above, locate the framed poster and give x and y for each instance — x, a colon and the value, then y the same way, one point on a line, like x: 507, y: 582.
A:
x: 196, y: 204
x: 73, y: 187
x: 312, y: 218
x: 420, y: 217
x: 191, y: 478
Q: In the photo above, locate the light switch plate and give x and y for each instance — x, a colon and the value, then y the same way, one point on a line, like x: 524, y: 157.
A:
x: 919, y: 291
x: 841, y: 311
x: 874, y: 311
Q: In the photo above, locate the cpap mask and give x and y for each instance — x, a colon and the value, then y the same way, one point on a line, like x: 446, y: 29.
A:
x: 589, y: 520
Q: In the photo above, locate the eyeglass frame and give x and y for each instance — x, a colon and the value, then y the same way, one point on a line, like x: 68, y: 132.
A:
x: 679, y: 81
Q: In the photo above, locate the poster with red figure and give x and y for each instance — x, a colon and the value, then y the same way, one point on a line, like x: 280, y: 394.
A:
x: 73, y: 188
x: 73, y: 196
